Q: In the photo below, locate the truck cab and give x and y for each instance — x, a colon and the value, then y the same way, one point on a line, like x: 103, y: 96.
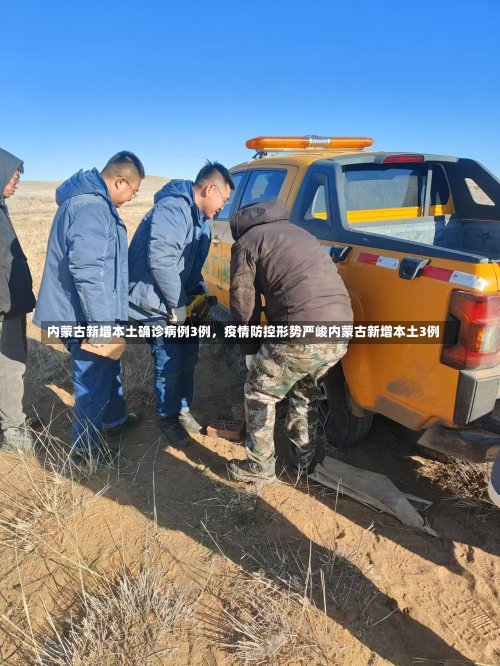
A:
x: 416, y: 239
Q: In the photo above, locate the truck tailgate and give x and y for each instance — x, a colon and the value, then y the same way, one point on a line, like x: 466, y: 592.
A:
x: 404, y: 379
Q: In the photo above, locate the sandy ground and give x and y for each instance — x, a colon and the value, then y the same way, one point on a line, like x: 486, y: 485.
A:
x: 385, y: 594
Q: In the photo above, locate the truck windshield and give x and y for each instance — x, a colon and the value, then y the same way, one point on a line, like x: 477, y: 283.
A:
x: 370, y: 187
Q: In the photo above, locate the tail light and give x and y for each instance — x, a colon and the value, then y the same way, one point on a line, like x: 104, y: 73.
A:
x: 477, y: 340
x: 403, y: 159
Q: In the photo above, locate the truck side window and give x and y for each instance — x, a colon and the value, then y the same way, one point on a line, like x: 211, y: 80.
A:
x: 377, y: 186
x: 314, y: 208
x: 477, y: 194
x: 262, y: 186
x: 440, y: 191
x: 226, y: 211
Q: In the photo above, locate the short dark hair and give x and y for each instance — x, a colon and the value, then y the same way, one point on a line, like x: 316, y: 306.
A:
x: 214, y: 171
x: 20, y: 168
x: 124, y: 164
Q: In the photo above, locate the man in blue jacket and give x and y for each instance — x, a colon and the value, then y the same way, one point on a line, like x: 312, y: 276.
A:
x: 85, y: 280
x: 166, y: 256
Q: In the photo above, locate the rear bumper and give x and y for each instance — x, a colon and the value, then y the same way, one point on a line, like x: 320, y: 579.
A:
x: 477, y: 392
x: 474, y: 445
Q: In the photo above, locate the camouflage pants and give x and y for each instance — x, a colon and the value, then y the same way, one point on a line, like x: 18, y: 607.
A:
x: 280, y: 370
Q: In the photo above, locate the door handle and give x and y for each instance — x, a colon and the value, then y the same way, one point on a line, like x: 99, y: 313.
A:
x: 412, y: 267
x: 216, y: 241
x: 339, y: 252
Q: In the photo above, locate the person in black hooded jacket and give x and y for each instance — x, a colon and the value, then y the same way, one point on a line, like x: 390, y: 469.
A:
x: 286, y: 265
x: 16, y: 300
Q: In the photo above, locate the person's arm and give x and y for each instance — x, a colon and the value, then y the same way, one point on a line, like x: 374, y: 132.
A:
x: 4, y: 282
x: 4, y: 287
x: 246, y: 303
x: 87, y: 247
x: 201, y: 279
x: 166, y: 243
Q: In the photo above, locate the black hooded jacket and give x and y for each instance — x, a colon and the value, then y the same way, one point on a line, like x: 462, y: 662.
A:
x: 286, y: 265
x: 16, y: 285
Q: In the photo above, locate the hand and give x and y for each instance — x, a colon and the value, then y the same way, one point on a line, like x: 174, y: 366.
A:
x: 178, y: 315
x: 6, y: 311
x: 113, y: 349
x: 203, y: 285
x: 250, y: 360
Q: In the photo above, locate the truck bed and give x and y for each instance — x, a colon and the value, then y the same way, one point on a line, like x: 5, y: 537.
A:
x: 447, y: 231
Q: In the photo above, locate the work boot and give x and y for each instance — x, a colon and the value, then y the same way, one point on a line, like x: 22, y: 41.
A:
x: 101, y: 455
x: 20, y: 439
x: 33, y: 422
x: 301, y: 459
x: 302, y: 470
x: 174, y: 431
x: 189, y: 423
x: 114, y: 434
x: 249, y: 471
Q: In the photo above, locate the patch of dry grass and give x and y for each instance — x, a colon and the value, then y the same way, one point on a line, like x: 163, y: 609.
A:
x: 110, y: 616
x: 34, y: 502
x: 258, y: 621
x: 116, y: 619
x: 275, y: 612
x: 468, y: 485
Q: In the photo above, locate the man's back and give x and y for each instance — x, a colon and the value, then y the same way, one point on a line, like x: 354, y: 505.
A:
x: 297, y: 278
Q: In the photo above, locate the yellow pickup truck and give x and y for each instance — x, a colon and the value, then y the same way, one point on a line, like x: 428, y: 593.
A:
x: 416, y: 239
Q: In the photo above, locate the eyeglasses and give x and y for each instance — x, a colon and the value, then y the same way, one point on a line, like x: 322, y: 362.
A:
x: 134, y: 193
x: 16, y: 179
x: 224, y: 201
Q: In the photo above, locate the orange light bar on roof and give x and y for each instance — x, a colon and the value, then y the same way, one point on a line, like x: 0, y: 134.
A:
x: 308, y: 142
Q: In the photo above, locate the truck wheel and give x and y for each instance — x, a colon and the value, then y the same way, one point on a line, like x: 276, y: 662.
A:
x: 339, y: 423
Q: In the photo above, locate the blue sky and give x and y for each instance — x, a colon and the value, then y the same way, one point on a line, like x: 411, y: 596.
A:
x: 181, y: 82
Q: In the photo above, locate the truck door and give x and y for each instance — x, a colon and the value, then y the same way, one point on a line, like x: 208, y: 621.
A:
x: 213, y: 269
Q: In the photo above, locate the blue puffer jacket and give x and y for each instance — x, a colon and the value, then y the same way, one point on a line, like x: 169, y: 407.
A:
x: 86, y: 274
x: 168, y: 251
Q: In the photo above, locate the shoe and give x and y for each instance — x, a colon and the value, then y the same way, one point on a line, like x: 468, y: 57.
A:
x: 249, y: 472
x: 20, y: 439
x: 174, y: 431
x: 189, y: 423
x: 101, y: 455
x: 115, y: 434
x: 302, y: 470
x: 33, y: 422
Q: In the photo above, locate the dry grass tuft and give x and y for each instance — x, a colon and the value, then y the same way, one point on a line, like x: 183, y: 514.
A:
x: 259, y: 622
x: 116, y: 619
x: 275, y: 612
x: 39, y: 499
x: 34, y: 502
x: 226, y: 502
x: 468, y: 484
x: 338, y: 570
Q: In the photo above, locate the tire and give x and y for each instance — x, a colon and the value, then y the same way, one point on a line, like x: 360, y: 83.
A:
x: 340, y: 425
x: 434, y: 455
